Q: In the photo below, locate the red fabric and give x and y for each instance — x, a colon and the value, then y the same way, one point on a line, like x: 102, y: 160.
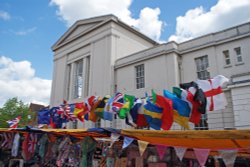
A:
x: 167, y: 113
x: 141, y: 121
x: 29, y: 145
x: 80, y: 115
x: 92, y: 103
x: 25, y: 153
x: 52, y: 124
x: 211, y: 93
x: 195, y: 116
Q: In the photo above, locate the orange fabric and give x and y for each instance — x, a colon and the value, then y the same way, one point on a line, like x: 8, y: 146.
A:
x: 213, y: 139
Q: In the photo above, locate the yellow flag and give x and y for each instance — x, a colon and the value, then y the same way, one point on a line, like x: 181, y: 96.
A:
x: 142, y: 146
x: 182, y: 121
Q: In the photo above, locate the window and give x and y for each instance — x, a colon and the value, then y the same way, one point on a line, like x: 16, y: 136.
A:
x: 203, y: 125
x: 140, y: 76
x: 238, y: 55
x: 201, y: 66
x: 227, y: 57
x: 69, y: 66
x: 78, y: 79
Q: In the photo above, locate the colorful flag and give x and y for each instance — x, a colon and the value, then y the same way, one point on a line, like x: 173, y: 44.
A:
x: 108, y: 112
x: 178, y: 104
x: 182, y: 121
x: 128, y: 103
x: 99, y: 110
x: 141, y: 121
x: 199, y: 95
x: 132, y: 115
x: 117, y: 102
x: 153, y: 115
x: 29, y: 145
x: 212, y: 88
x: 187, y: 96
x: 91, y: 103
x: 14, y: 123
x: 44, y: 116
x: 68, y: 111
x: 79, y: 111
x: 167, y: 113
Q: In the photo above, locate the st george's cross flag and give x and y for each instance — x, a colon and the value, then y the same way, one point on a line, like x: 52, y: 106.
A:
x: 213, y: 91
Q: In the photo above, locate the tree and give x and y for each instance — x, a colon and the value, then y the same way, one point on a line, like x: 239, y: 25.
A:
x: 12, y: 109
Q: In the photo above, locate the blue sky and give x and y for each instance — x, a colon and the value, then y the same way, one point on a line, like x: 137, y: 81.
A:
x: 28, y: 29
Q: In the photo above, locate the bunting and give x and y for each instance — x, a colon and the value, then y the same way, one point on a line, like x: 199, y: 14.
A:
x: 142, y: 146
x: 201, y: 155
x: 228, y: 156
x: 127, y: 141
x: 180, y: 152
x: 161, y: 150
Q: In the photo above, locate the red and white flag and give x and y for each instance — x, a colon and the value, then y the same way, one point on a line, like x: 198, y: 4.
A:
x: 212, y: 88
x: 14, y: 123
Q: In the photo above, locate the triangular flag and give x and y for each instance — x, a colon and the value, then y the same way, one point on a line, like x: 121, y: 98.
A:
x: 114, y: 137
x: 228, y: 156
x: 180, y: 152
x: 201, y: 155
x: 161, y: 150
x: 142, y: 146
x: 127, y: 141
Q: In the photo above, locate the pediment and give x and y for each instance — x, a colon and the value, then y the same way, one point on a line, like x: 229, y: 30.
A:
x: 77, y: 30
x: 80, y: 27
x: 83, y: 27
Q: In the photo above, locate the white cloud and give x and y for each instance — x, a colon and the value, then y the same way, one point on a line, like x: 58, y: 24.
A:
x: 4, y: 15
x: 17, y: 79
x: 25, y: 32
x: 224, y: 14
x: 148, y: 21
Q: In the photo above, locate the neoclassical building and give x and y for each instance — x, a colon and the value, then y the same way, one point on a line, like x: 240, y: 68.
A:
x: 103, y: 55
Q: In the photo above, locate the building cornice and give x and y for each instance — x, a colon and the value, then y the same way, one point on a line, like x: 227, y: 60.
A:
x: 209, y: 40
x: 106, y: 19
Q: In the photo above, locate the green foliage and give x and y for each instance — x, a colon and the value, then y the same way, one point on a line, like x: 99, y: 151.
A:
x: 12, y: 109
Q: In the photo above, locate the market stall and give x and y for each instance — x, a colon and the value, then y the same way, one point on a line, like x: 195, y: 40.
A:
x: 128, y: 147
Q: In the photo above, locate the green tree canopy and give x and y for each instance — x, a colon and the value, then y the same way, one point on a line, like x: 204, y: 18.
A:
x: 14, y: 108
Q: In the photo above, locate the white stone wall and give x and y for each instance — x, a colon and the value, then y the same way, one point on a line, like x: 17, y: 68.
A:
x: 160, y: 73
x: 165, y: 65
x: 222, y: 119
x: 241, y: 105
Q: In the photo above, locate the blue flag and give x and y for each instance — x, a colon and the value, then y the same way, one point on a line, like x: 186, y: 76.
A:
x: 153, y: 115
x: 127, y: 141
x: 179, y: 105
x: 44, y: 116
